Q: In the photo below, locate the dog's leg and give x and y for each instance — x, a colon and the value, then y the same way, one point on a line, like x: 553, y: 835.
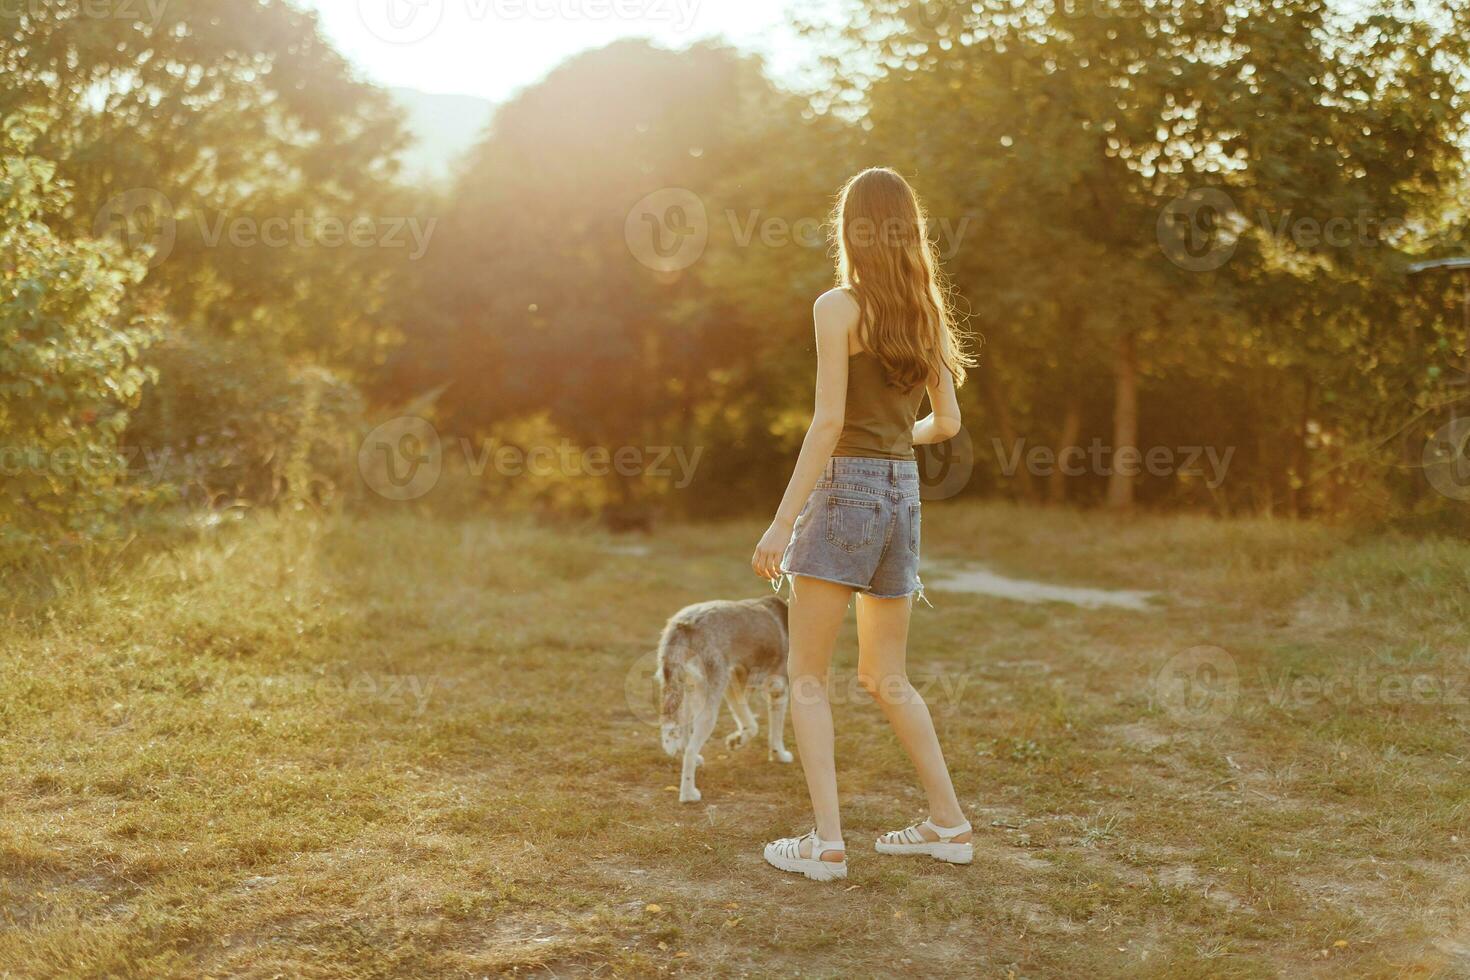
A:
x: 776, y: 698
x: 699, y: 732
x: 736, y: 696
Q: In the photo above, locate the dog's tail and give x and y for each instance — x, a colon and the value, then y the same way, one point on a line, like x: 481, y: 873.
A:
x: 673, y: 663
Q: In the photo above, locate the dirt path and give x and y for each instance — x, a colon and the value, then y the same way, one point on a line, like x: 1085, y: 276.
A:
x: 979, y: 580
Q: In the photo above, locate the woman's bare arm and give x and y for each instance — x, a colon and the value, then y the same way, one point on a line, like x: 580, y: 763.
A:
x: 834, y: 314
x: 943, y: 421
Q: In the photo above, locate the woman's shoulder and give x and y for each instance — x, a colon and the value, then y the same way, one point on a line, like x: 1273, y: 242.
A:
x: 837, y: 309
x: 838, y: 299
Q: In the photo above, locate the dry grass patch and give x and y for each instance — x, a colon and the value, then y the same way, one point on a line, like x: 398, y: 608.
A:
x: 396, y: 745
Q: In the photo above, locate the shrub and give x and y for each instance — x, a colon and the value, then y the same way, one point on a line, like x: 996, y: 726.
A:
x: 69, y: 361
x: 230, y: 422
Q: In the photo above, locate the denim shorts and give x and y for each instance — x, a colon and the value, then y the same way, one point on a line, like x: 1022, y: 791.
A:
x: 860, y: 528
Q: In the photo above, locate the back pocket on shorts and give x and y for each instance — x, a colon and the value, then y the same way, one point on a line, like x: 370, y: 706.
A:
x: 851, y: 523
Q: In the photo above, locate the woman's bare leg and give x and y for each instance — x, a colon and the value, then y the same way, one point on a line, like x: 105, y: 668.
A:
x: 817, y: 610
x: 883, y: 633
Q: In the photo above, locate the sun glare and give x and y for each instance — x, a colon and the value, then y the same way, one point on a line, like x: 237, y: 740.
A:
x: 491, y: 48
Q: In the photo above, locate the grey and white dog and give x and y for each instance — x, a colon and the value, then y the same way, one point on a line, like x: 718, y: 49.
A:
x: 715, y: 650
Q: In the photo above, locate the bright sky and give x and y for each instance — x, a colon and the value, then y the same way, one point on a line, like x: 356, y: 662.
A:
x: 491, y: 48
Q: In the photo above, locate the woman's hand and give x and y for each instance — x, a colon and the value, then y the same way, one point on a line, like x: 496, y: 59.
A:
x: 767, y: 558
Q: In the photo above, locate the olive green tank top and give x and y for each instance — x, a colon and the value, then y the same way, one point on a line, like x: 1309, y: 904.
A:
x: 879, y: 420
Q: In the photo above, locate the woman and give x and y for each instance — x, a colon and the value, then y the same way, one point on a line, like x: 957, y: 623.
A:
x: 849, y: 521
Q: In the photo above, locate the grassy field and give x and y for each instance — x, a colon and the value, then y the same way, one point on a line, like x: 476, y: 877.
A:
x: 395, y: 745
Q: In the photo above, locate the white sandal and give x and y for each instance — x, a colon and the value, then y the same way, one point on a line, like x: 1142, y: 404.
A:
x: 910, y: 841
x: 786, y: 855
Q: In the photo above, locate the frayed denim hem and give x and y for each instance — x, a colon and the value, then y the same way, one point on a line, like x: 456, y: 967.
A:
x: 917, y: 593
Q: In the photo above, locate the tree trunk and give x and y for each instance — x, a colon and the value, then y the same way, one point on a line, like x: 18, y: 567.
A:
x: 1056, y: 494
x: 1022, y: 484
x: 1126, y: 461
x: 1301, y: 456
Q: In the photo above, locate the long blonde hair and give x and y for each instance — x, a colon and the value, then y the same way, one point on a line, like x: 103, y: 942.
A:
x: 885, y: 258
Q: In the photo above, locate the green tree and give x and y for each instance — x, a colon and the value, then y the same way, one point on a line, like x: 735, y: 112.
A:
x: 1078, y: 134
x: 69, y: 359
x: 215, y: 116
x: 596, y: 271
x: 231, y: 149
